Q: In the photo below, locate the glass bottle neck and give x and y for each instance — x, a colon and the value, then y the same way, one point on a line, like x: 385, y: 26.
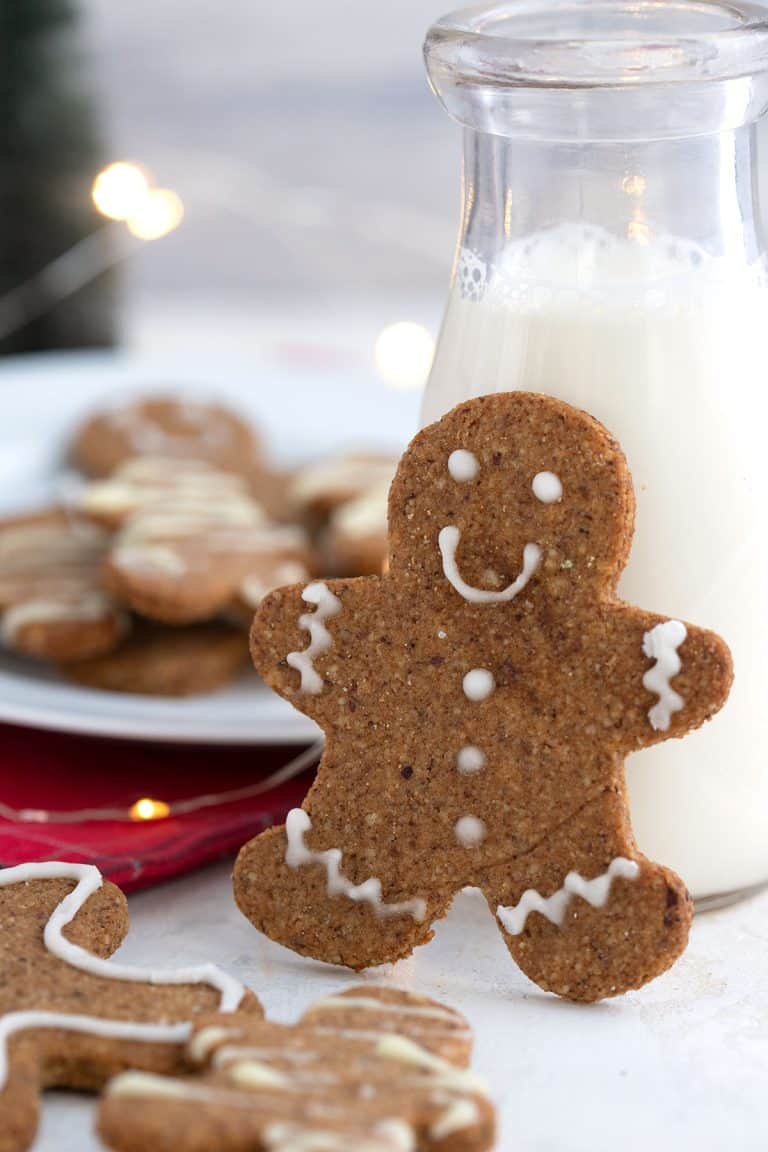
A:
x: 700, y: 191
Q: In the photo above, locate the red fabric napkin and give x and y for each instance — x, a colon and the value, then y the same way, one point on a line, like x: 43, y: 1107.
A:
x: 46, y: 771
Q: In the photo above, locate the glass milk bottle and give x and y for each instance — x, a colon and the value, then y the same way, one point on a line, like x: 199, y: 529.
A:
x: 611, y: 254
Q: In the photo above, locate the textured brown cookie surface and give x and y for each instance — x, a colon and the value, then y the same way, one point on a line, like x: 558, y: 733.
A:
x: 370, y: 1070
x: 164, y: 426
x: 52, y: 605
x: 192, y: 541
x: 479, y: 702
x: 165, y: 661
x: 68, y: 1016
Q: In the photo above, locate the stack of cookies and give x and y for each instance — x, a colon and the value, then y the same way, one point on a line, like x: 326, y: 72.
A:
x: 147, y: 579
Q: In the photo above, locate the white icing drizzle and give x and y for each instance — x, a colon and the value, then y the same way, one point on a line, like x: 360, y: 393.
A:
x: 458, y: 1115
x: 478, y: 684
x: 444, y: 1075
x: 320, y: 639
x: 89, y: 880
x: 204, y: 1041
x: 547, y: 487
x: 150, y: 1085
x: 93, y: 606
x: 448, y: 542
x: 252, y: 1074
x: 470, y: 759
x: 554, y: 907
x: 149, y: 558
x: 470, y: 831
x: 463, y: 465
x: 371, y: 1004
x: 661, y: 644
x: 297, y: 854
x: 294, y: 1138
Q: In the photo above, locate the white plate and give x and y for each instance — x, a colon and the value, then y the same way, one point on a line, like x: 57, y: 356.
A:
x: 302, y: 414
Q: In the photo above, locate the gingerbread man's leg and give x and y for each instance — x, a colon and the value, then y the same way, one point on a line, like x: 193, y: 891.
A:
x: 584, y: 914
x: 321, y: 900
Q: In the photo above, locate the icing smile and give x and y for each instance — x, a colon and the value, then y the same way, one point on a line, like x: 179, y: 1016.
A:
x: 448, y: 541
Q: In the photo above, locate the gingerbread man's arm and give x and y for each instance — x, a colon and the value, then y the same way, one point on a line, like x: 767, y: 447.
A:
x: 662, y: 678
x: 304, y: 641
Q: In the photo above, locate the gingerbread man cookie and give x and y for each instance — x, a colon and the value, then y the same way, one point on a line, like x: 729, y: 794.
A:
x: 192, y: 541
x: 71, y: 1018
x: 370, y: 1070
x: 479, y: 702
x: 52, y: 605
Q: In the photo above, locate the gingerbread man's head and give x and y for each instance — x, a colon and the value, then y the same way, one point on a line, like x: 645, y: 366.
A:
x: 497, y: 493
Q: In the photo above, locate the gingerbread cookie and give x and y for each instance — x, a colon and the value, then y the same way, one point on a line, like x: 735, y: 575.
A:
x: 192, y: 541
x: 479, y: 702
x: 319, y: 488
x: 370, y: 1070
x: 52, y: 605
x: 356, y: 537
x: 164, y: 426
x: 156, y: 660
x: 71, y: 1018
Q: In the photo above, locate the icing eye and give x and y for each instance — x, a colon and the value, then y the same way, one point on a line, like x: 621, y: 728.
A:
x: 463, y: 465
x: 547, y: 487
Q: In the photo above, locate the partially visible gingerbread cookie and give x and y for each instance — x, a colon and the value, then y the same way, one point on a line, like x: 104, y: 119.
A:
x: 165, y: 426
x: 156, y: 660
x: 192, y: 541
x: 479, y: 701
x: 370, y: 1070
x: 318, y: 488
x: 69, y: 1017
x: 52, y: 605
x: 356, y: 537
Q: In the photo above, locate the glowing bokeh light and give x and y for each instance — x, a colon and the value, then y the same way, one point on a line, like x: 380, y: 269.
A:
x: 119, y: 190
x: 404, y: 354
x: 158, y: 214
x: 146, y: 809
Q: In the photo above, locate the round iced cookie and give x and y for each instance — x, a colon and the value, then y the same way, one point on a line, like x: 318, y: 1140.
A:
x: 165, y: 426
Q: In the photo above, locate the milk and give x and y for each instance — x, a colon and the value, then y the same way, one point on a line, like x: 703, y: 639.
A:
x: 666, y: 346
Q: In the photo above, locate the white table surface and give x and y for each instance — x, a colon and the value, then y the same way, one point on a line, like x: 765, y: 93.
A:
x: 682, y: 1064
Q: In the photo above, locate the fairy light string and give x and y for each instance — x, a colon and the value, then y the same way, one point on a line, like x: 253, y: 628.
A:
x: 146, y: 808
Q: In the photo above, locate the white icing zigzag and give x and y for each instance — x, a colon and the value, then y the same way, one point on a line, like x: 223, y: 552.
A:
x: 448, y: 542
x: 89, y: 880
x: 554, y: 907
x: 297, y: 825
x: 661, y: 644
x: 320, y: 639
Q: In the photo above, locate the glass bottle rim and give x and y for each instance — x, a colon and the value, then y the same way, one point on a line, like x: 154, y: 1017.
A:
x: 599, y: 43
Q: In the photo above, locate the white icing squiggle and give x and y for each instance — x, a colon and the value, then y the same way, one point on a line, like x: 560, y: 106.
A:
x: 89, y: 880
x: 297, y: 854
x: 448, y: 542
x: 320, y: 639
x: 661, y: 644
x: 554, y: 907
